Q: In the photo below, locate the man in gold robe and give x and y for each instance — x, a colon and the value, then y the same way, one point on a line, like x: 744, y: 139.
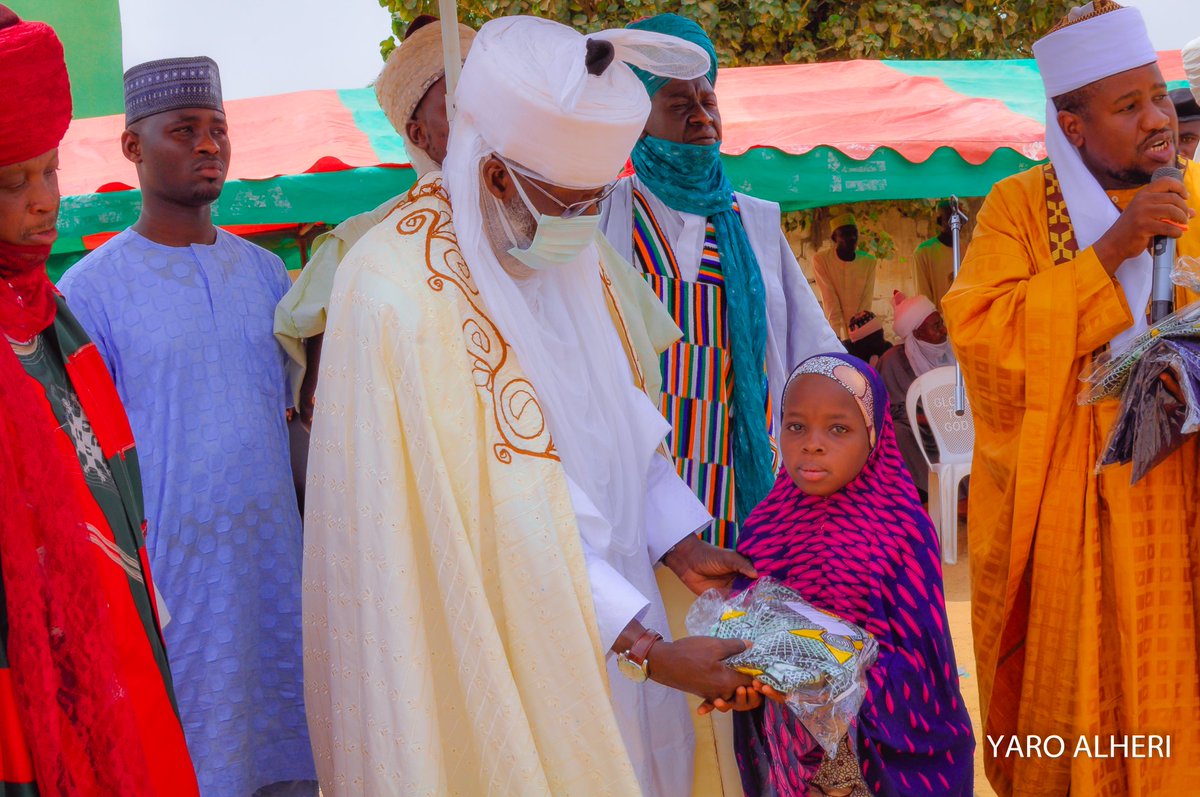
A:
x: 488, y: 497
x: 1085, y: 588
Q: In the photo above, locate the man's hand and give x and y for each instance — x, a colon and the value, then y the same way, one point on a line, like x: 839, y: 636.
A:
x: 701, y: 566
x: 696, y: 664
x: 308, y: 387
x: 1159, y: 208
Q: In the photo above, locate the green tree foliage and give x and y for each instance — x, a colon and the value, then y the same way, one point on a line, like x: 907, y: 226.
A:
x: 752, y: 32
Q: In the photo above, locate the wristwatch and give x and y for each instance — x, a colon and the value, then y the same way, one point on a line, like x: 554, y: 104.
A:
x: 633, y: 663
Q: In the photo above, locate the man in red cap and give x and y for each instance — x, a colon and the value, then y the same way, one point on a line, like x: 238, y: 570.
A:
x: 86, y: 700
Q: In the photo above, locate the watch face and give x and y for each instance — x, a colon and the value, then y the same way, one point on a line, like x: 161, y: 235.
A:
x: 633, y: 672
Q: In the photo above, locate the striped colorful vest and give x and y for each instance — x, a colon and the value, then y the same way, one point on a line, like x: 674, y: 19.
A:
x: 697, y: 370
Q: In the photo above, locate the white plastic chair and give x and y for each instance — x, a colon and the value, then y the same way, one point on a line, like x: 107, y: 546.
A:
x: 955, y: 438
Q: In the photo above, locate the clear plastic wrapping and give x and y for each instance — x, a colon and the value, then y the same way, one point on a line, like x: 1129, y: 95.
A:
x: 1186, y: 273
x: 817, y: 660
x: 1110, y: 372
x: 1157, y: 380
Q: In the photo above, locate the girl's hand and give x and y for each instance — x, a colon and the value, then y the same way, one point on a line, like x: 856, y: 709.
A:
x: 766, y: 691
x: 745, y: 699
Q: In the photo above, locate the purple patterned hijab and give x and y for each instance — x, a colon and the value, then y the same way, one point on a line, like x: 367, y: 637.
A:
x: 868, y: 553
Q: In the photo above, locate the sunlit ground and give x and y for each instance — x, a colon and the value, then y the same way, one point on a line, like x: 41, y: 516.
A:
x: 958, y: 608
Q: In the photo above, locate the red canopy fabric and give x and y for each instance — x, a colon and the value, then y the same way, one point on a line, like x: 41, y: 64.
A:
x: 857, y: 108
x: 307, y: 131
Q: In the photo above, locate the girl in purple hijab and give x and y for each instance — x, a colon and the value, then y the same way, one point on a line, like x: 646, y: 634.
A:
x: 843, y: 526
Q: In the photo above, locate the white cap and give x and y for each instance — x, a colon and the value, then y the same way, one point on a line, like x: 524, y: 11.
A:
x: 1092, y: 49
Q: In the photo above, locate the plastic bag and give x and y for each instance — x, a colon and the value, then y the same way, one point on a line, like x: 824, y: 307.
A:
x: 1160, y: 406
x: 1186, y: 273
x: 1109, y: 373
x: 1157, y: 379
x: 818, y: 660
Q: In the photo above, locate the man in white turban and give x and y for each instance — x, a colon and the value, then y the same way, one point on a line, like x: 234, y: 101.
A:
x: 488, y: 497
x: 923, y: 347
x: 1085, y: 587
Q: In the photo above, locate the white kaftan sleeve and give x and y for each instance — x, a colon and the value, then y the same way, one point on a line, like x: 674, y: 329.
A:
x: 672, y: 510
x: 616, y: 600
x: 164, y: 614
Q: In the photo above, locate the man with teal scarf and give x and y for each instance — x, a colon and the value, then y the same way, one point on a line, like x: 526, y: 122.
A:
x: 720, y: 263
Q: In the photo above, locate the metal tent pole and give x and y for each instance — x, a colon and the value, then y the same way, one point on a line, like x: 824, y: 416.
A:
x: 957, y: 217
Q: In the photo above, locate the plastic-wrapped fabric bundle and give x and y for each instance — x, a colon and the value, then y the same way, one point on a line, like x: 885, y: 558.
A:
x: 817, y: 660
x: 1157, y: 380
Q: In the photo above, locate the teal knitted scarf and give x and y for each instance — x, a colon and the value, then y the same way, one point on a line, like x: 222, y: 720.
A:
x: 690, y: 179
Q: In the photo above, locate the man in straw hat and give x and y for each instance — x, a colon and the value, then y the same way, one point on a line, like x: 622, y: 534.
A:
x: 411, y: 90
x: 488, y: 498
x: 182, y: 314
x: 1085, y: 589
x: 86, y: 700
x: 867, y: 341
x: 845, y: 276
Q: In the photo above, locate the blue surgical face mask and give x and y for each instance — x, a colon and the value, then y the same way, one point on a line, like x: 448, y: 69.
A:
x: 557, y: 241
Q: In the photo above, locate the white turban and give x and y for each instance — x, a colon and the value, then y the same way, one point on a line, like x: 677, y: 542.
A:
x: 1096, y: 46
x: 526, y: 94
x: 1191, y: 66
x: 910, y: 312
x: 526, y: 89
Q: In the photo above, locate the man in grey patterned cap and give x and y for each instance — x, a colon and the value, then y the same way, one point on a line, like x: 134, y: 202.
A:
x: 182, y: 313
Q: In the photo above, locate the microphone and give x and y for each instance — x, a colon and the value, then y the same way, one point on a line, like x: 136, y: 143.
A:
x: 1162, y: 249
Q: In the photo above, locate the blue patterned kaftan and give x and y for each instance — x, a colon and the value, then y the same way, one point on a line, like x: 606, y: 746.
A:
x: 187, y: 334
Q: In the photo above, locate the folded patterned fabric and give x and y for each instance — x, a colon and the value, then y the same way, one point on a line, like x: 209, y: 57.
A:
x: 818, y: 660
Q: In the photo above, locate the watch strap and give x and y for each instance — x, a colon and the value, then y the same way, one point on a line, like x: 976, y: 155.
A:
x: 640, y: 649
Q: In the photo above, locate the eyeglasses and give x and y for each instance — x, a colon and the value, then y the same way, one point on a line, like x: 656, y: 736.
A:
x: 569, y: 211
